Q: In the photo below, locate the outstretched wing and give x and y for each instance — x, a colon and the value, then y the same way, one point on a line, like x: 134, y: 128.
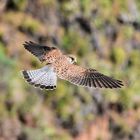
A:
x: 89, y: 77
x: 39, y: 51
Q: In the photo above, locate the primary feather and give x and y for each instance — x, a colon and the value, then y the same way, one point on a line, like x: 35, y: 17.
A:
x: 38, y: 50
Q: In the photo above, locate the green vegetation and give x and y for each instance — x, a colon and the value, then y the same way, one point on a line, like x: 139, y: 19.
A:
x: 95, y: 32
x: 20, y: 4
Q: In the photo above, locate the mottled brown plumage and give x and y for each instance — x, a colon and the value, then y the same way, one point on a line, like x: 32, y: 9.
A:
x: 63, y: 66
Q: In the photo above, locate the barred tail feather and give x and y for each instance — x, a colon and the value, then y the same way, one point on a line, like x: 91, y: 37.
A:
x: 44, y: 78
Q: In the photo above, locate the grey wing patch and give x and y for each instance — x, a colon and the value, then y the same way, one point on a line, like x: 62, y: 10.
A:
x: 44, y: 78
x: 37, y: 49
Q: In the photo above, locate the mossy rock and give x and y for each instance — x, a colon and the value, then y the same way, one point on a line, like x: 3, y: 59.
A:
x: 3, y: 110
x: 138, y: 4
x: 134, y: 58
x: 126, y: 98
x: 33, y: 133
x: 74, y: 43
x: 98, y: 23
x: 49, y: 3
x: 3, y: 58
x: 68, y: 8
x: 31, y: 26
x: 87, y: 6
x: 118, y: 55
x: 106, y: 4
x: 19, y: 16
x: 17, y: 4
x: 128, y: 32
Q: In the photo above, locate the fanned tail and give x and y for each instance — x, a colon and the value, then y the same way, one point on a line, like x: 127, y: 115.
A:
x: 44, y: 78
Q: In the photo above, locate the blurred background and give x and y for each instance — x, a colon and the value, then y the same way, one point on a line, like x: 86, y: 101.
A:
x: 103, y: 34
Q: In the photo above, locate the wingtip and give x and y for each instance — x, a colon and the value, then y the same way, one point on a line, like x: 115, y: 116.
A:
x: 120, y: 83
x: 28, y: 43
x: 25, y: 44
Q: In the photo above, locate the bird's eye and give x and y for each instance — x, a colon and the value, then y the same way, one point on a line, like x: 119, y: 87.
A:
x: 72, y: 59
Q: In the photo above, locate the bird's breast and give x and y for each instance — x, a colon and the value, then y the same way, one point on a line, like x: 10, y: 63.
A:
x: 61, y: 69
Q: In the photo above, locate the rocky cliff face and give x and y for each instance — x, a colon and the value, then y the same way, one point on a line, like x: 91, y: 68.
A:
x: 102, y: 34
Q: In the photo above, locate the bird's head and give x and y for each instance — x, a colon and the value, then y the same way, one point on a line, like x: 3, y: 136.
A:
x: 72, y: 59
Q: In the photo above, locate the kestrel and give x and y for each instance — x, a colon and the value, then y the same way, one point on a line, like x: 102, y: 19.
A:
x: 64, y: 67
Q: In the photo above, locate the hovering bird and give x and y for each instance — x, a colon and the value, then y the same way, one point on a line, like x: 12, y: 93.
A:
x: 62, y: 66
